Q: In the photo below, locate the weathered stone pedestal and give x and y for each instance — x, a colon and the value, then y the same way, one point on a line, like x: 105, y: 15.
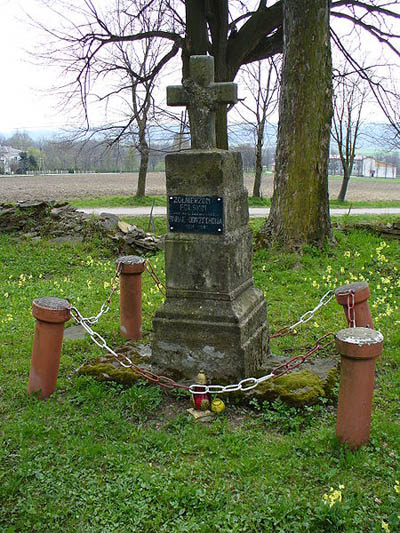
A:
x: 213, y: 319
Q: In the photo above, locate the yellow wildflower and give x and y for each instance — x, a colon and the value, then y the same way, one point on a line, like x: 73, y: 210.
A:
x: 334, y: 496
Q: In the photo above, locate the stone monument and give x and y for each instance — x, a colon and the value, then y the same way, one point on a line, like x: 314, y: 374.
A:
x: 213, y: 318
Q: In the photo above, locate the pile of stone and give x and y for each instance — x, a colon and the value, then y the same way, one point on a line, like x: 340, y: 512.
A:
x: 386, y: 229
x: 61, y: 221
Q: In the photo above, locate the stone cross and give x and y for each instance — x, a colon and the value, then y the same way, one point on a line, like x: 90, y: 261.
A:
x: 213, y: 317
x: 201, y: 95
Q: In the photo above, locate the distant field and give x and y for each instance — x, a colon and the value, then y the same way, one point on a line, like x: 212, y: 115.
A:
x: 80, y: 186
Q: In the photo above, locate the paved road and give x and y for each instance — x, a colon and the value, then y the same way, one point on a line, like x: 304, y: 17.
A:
x: 258, y: 212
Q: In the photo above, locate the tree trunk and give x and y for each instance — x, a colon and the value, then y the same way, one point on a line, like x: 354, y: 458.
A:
x: 196, y: 27
x: 257, y: 177
x: 300, y: 204
x: 144, y: 163
x: 221, y: 127
x: 345, y: 183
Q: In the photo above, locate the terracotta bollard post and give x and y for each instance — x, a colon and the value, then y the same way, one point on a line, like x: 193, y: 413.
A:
x: 131, y: 269
x: 51, y: 314
x: 354, y: 299
x: 358, y: 347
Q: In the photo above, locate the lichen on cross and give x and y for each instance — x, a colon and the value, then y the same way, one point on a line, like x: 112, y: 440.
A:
x: 201, y: 95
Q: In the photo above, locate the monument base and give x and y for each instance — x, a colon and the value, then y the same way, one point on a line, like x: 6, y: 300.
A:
x: 228, y: 340
x: 213, y: 319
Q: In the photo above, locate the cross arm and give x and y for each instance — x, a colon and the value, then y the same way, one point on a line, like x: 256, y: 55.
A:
x: 177, y: 96
x: 225, y: 92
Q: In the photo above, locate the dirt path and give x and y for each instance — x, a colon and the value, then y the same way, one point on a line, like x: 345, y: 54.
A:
x: 72, y: 186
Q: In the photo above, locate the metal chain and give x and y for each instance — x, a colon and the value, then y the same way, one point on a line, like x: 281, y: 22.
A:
x: 106, y: 305
x: 351, y: 312
x: 163, y: 381
x: 300, y: 359
x: 286, y: 330
x: 251, y: 383
x: 160, y: 285
x: 243, y: 385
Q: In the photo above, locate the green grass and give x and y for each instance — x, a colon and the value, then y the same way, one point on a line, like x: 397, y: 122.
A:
x: 345, y: 220
x: 121, y: 201
x: 147, y: 201
x: 101, y: 457
x: 372, y: 203
x: 364, y: 178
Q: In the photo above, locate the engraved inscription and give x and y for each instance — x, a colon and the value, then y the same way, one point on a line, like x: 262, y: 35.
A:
x: 196, y: 214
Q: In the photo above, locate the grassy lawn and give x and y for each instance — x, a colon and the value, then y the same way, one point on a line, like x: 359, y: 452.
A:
x: 147, y: 201
x: 365, y: 178
x: 121, y: 201
x: 101, y: 457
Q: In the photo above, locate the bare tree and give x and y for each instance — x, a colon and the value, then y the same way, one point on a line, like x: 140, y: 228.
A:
x: 236, y: 34
x: 134, y: 95
x: 261, y: 80
x: 350, y: 95
x: 379, y: 20
x: 390, y: 138
x: 124, y: 78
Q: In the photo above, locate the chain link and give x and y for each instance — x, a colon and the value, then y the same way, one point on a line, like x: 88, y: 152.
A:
x: 351, y: 312
x: 244, y: 385
x: 106, y: 305
x: 160, y: 285
x: 286, y: 330
x: 163, y: 381
x: 251, y: 383
x: 300, y: 359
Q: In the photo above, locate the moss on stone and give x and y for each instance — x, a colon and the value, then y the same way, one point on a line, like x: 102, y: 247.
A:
x: 297, y: 388
x: 105, y: 368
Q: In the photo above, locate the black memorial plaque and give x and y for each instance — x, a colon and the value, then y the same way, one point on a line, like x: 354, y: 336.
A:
x: 196, y: 214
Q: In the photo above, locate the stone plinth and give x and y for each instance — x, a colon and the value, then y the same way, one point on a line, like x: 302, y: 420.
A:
x: 213, y: 319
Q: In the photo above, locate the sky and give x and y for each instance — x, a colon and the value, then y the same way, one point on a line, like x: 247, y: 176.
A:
x: 26, y: 101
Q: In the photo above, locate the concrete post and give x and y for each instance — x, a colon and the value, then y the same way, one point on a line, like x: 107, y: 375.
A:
x: 132, y: 268
x: 354, y: 299
x: 50, y: 314
x: 358, y: 347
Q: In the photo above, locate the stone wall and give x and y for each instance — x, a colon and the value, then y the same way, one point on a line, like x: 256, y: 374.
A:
x: 62, y: 222
x: 385, y: 229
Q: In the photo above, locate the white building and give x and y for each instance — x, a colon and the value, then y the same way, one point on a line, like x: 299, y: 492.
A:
x: 368, y: 167
x: 8, y: 155
x: 378, y: 169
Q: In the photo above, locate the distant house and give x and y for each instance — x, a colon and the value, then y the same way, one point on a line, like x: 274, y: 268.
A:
x: 378, y: 169
x: 8, y: 156
x: 368, y: 167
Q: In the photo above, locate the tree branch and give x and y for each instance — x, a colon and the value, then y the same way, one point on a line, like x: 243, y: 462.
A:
x: 264, y: 22
x: 380, y: 35
x: 370, y: 8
